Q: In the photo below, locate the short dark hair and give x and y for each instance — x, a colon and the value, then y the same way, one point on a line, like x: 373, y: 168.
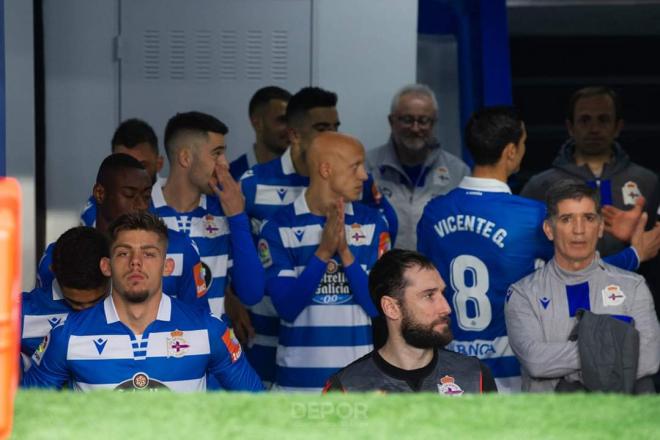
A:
x: 306, y: 99
x: 132, y: 132
x: 138, y: 221
x: 590, y: 92
x: 568, y: 189
x: 76, y: 257
x: 489, y: 130
x: 266, y: 94
x: 197, y: 123
x: 114, y: 163
x: 387, y: 277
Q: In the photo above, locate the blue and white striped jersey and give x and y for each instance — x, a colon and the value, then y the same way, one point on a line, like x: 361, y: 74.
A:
x: 332, y: 326
x: 218, y: 239
x: 186, y: 281
x: 268, y: 187
x: 41, y: 310
x: 93, y: 349
x: 482, y: 239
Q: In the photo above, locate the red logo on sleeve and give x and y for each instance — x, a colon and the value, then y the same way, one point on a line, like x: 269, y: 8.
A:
x: 232, y: 344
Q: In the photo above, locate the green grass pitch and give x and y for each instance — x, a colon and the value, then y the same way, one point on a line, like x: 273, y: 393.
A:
x: 161, y: 415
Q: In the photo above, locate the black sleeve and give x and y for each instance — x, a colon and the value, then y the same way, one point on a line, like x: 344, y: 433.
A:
x: 487, y: 381
x: 333, y: 384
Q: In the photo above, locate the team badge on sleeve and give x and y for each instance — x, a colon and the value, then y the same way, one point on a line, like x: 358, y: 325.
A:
x: 264, y: 253
x: 613, y: 296
x: 200, y: 282
x: 39, y: 352
x: 630, y: 192
x: 449, y: 387
x: 384, y: 243
x: 232, y: 344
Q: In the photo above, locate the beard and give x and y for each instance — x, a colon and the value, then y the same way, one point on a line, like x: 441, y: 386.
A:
x: 136, y: 297
x: 423, y: 336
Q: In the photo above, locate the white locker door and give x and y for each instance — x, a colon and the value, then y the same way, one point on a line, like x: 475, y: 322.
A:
x: 210, y: 56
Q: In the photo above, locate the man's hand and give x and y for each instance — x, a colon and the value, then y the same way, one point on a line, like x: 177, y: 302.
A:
x: 342, y: 245
x: 330, y: 236
x: 228, y: 191
x: 621, y: 224
x: 646, y: 243
x: 239, y: 317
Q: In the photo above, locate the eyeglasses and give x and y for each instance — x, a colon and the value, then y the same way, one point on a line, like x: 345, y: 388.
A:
x: 409, y: 121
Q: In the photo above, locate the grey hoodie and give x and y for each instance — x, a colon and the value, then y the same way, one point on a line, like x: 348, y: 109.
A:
x: 624, y: 177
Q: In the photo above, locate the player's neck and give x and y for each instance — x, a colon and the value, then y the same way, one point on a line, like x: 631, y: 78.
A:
x: 262, y: 153
x: 596, y: 163
x: 179, y: 193
x: 490, y: 172
x: 137, y: 316
x: 573, y: 265
x: 398, y: 353
x: 319, y: 199
x: 298, y: 160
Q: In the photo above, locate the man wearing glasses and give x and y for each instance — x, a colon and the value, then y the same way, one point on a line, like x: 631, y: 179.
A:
x: 411, y: 168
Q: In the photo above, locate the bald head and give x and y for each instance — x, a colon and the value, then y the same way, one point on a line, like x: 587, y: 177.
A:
x: 336, y: 160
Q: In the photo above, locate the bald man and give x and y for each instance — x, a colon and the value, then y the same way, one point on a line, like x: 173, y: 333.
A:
x: 317, y: 252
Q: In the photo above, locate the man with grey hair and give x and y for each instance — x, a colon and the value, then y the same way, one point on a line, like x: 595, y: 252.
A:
x: 543, y: 308
x: 411, y: 168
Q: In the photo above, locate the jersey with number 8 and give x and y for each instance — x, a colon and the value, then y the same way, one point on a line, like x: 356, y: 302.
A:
x: 482, y: 239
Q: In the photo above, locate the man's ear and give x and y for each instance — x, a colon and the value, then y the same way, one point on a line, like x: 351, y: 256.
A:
x: 294, y: 136
x: 390, y: 307
x: 510, y: 151
x: 169, y: 267
x: 99, y: 193
x: 104, y: 264
x: 325, y: 170
x: 390, y: 119
x: 569, y: 127
x: 159, y: 163
x: 256, y: 123
x: 184, y: 157
x: 547, y: 229
x: 619, y: 127
x: 601, y: 229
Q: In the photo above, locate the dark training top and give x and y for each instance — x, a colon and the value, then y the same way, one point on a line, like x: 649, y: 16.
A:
x: 448, y: 373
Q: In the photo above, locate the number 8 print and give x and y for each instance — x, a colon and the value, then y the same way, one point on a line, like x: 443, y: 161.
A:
x: 474, y: 295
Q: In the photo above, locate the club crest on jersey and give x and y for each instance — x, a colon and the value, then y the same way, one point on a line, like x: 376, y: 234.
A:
x: 630, y: 192
x: 449, y: 387
x: 176, y: 345
x: 333, y: 288
x: 232, y: 344
x: 211, y: 228
x: 356, y: 235
x: 613, y: 296
x: 443, y: 174
x: 264, y: 253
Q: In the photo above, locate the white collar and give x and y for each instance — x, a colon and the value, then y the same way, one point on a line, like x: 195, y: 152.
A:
x: 57, y: 291
x: 300, y: 206
x: 164, y: 309
x: 158, y: 198
x: 287, y: 163
x: 484, y: 184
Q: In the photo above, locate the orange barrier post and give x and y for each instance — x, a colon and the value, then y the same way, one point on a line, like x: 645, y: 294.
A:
x: 10, y: 298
